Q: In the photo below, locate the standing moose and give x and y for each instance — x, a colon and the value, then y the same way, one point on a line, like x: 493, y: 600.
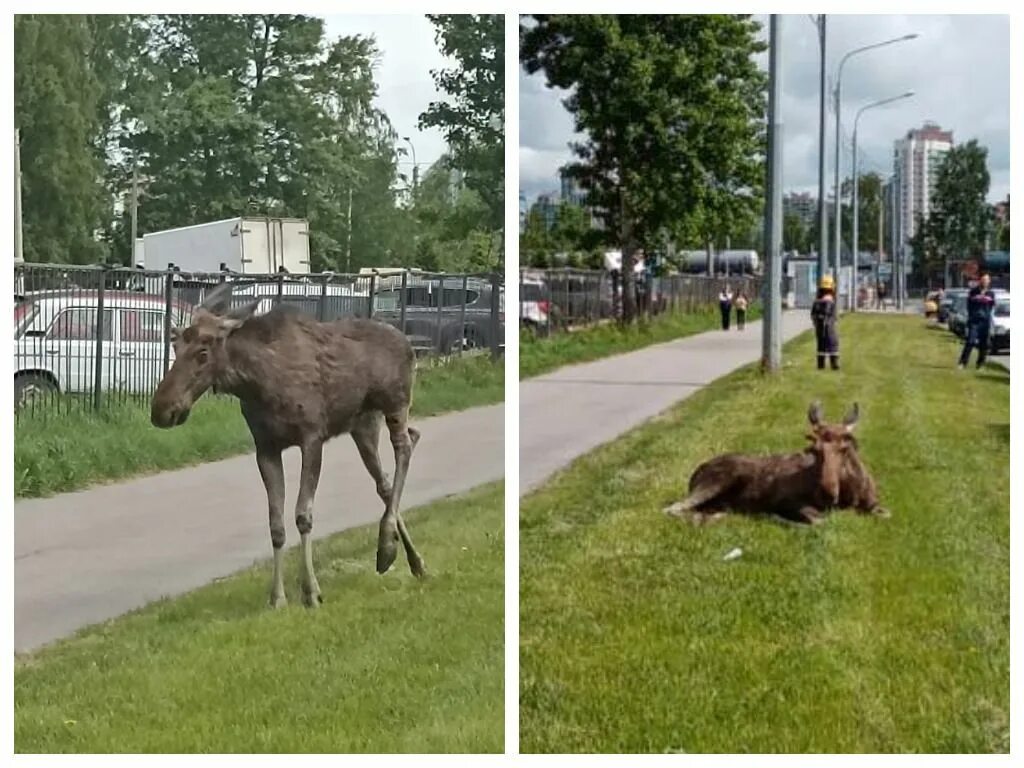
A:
x: 795, y: 486
x: 300, y: 383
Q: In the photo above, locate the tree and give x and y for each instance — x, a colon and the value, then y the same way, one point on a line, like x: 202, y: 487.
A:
x: 473, y: 117
x: 869, y: 203
x: 57, y: 99
x: 794, y: 234
x: 672, y: 108
x: 959, y: 217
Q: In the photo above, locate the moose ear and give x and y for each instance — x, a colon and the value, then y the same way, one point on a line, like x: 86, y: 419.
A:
x: 233, y: 319
x: 814, y: 413
x: 851, y: 418
x: 218, y: 301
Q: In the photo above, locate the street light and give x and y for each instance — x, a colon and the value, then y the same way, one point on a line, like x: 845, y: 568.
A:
x: 838, y: 92
x: 415, y: 167
x: 856, y: 212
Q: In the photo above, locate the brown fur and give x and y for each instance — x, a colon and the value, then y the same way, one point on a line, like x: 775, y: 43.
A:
x: 300, y: 383
x: 797, y: 486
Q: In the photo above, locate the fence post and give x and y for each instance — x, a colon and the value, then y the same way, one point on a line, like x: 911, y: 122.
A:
x: 402, y: 301
x: 168, y: 297
x: 462, y: 312
x: 495, y: 319
x: 373, y: 287
x: 440, y: 303
x: 280, y: 288
x: 97, y: 395
x: 323, y: 300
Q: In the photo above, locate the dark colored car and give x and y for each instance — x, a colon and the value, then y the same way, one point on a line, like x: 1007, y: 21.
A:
x: 433, y: 315
x: 948, y: 300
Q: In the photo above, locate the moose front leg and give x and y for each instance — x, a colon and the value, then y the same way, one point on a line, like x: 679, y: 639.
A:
x: 312, y: 454
x: 272, y: 472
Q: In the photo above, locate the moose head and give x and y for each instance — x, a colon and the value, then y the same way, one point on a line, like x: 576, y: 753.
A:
x: 830, y: 444
x: 200, y: 356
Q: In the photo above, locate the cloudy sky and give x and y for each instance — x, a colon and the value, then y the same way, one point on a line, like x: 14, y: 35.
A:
x: 405, y: 87
x: 959, y: 69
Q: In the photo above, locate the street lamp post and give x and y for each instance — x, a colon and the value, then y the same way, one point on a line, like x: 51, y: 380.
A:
x: 838, y: 106
x: 822, y: 205
x: 856, y: 212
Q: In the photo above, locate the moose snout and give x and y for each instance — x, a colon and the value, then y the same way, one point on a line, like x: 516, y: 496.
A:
x: 166, y: 417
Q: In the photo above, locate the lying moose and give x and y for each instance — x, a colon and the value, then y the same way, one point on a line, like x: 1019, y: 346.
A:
x: 796, y: 486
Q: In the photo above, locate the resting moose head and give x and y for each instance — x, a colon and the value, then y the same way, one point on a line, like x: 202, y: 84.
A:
x: 830, y: 444
x: 200, y: 356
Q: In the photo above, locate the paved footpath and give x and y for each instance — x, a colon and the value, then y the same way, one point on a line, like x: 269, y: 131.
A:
x: 84, y: 557
x: 569, y: 412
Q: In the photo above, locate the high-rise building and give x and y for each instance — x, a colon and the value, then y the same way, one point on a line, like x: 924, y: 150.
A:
x: 523, y: 210
x: 916, y: 163
x: 802, y: 204
x: 571, y: 191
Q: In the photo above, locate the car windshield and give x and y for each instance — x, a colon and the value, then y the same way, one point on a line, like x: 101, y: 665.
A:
x: 1002, y: 308
x: 530, y: 292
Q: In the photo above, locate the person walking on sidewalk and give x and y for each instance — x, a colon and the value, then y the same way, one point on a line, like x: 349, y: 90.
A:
x: 981, y: 301
x: 741, y: 310
x: 823, y: 315
x: 725, y: 306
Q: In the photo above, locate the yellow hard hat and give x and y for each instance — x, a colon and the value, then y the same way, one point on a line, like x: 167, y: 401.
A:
x: 827, y: 282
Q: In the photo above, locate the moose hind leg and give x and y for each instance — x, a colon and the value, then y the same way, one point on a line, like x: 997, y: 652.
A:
x: 402, y: 441
x: 688, y: 507
x: 272, y: 472
x: 312, y: 455
x: 366, y: 440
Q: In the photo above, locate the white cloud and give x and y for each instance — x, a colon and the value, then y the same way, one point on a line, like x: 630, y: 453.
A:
x: 959, y: 69
x: 405, y: 88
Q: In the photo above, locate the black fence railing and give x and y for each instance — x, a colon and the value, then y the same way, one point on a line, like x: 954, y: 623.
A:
x: 554, y: 300
x: 87, y: 335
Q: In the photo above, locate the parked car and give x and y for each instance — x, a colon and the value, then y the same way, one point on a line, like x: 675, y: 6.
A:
x: 433, y: 315
x: 1000, y: 336
x: 534, y: 308
x: 957, y: 320
x: 55, y: 342
x: 947, y: 302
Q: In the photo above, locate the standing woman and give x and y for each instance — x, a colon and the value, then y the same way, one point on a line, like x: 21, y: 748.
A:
x: 725, y: 305
x: 741, y: 310
x: 823, y: 315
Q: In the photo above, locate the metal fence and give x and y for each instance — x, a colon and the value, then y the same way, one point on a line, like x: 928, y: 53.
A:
x: 84, y: 336
x: 554, y: 300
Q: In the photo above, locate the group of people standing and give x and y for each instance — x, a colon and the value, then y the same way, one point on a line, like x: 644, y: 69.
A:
x: 727, y: 302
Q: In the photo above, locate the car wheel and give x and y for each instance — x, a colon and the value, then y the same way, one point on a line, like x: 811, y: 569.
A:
x: 28, y: 386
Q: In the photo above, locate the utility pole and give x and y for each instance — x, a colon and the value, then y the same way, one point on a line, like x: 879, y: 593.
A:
x: 822, y: 206
x: 896, y: 261
x: 19, y: 255
x: 348, y: 235
x: 135, y: 208
x: 881, y: 240
x: 771, y: 341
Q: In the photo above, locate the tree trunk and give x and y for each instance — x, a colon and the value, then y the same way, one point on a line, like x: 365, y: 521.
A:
x: 628, y: 244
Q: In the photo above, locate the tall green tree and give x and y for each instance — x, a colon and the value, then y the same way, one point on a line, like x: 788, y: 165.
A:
x: 960, y: 217
x: 672, y: 110
x: 795, y: 236
x: 57, y: 107
x: 472, y: 117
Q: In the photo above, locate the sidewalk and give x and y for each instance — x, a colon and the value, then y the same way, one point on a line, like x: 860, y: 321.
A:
x: 569, y: 412
x: 83, y: 557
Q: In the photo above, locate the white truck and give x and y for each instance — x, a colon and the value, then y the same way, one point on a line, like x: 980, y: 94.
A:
x: 247, y: 245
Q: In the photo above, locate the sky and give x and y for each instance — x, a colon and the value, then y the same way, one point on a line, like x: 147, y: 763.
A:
x: 959, y: 69
x: 405, y: 88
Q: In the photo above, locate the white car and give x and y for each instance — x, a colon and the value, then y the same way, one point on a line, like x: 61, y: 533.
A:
x: 55, y: 344
x: 1000, y: 337
x: 534, y: 309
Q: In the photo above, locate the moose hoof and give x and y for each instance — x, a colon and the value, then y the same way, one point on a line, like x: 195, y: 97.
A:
x: 387, y: 550
x: 278, y: 601
x: 311, y: 599
x: 419, y: 570
x: 675, y: 510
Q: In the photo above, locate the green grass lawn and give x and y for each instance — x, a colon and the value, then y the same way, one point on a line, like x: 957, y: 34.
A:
x: 539, y: 355
x: 57, y: 453
x: 859, y: 635
x: 387, y: 664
